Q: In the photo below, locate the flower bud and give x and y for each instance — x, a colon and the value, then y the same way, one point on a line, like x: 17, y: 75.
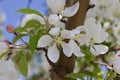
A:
x: 10, y: 29
x: 7, y: 42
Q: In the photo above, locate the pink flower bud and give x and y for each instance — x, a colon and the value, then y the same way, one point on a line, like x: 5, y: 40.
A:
x: 10, y: 29
x: 7, y: 42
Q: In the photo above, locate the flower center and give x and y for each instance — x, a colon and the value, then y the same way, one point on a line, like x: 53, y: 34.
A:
x: 76, y: 37
x: 93, y: 40
x: 58, y: 40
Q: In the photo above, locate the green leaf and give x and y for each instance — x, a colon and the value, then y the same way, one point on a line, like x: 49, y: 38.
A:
x: 111, y: 75
x: 29, y: 11
x: 32, y: 24
x: 80, y: 75
x: 18, y: 29
x: 80, y: 62
x: 88, y: 55
x: 35, y: 35
x: 23, y: 65
x: 19, y: 36
x: 2, y: 55
x: 33, y: 42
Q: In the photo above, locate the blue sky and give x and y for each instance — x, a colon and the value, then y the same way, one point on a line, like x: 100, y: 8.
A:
x: 9, y: 7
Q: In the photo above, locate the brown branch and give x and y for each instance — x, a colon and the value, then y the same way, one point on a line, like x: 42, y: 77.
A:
x: 79, y: 18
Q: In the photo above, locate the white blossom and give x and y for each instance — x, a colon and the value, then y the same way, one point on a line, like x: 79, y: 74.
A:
x: 116, y: 63
x: 53, y: 43
x: 76, y: 49
x: 74, y: 35
x: 116, y: 32
x: 53, y: 19
x: 59, y: 10
x: 97, y: 35
x: 58, y: 7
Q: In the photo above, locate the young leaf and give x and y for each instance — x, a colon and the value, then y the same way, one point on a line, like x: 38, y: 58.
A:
x: 23, y: 65
x: 16, y: 38
x: 2, y: 55
x: 34, y: 37
x: 33, y: 42
x: 32, y: 24
x: 80, y: 75
x: 88, y: 55
x: 18, y: 29
x: 29, y: 11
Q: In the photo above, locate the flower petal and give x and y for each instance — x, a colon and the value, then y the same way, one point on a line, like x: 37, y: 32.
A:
x: 60, y: 24
x: 3, y: 47
x: 44, y: 41
x: 53, y: 53
x: 53, y: 19
x: 54, y: 31
x: 67, y: 49
x: 56, y: 5
x: 76, y: 49
x: 84, y: 39
x: 66, y: 34
x: 70, y: 11
x: 102, y: 36
x: 116, y: 63
x: 75, y: 31
x: 98, y: 49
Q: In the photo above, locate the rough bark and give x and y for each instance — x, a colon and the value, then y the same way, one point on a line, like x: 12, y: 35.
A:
x: 66, y: 65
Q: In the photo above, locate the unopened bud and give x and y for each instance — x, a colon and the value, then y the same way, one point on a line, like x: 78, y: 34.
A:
x: 10, y: 29
x: 7, y: 42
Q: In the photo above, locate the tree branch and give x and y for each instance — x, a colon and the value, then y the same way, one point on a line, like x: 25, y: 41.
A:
x: 79, y: 18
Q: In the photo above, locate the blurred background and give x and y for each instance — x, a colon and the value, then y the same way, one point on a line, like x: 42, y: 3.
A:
x: 8, y: 15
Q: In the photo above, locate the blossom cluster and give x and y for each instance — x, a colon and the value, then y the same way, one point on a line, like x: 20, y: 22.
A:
x: 90, y: 34
x: 97, y: 30
x: 107, y: 13
x: 59, y: 37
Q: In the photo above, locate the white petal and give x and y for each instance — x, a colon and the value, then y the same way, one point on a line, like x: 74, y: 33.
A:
x: 56, y: 5
x: 53, y: 19
x: 3, y: 47
x: 75, y: 31
x: 102, y: 36
x: 66, y: 34
x: 44, y: 41
x: 84, y: 39
x: 76, y: 49
x: 67, y: 49
x: 60, y: 24
x: 53, y: 53
x: 116, y: 63
x: 70, y: 11
x: 98, y: 49
x: 54, y: 31
x: 82, y: 28
x: 29, y: 17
